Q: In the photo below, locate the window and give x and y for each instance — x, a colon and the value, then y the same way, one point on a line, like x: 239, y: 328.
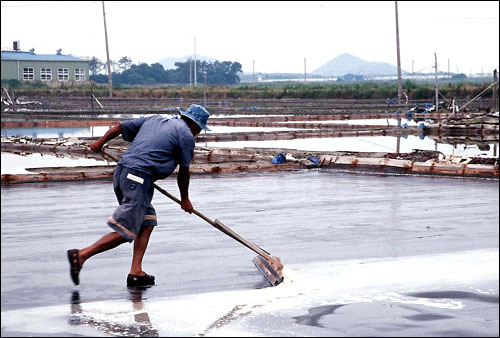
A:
x: 28, y: 73
x: 79, y: 74
x: 63, y: 74
x: 46, y: 74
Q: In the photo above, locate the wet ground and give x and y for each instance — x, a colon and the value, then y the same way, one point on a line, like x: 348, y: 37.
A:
x: 364, y: 256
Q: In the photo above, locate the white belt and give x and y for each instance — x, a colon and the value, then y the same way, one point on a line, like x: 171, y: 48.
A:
x: 135, y: 178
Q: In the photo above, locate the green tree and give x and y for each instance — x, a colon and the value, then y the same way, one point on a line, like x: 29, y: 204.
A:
x: 124, y: 63
x: 224, y: 72
x: 95, y: 66
x: 216, y: 73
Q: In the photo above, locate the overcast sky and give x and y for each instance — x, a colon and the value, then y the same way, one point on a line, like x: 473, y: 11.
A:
x: 276, y: 35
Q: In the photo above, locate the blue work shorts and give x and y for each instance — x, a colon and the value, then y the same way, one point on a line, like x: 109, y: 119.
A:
x: 134, y: 191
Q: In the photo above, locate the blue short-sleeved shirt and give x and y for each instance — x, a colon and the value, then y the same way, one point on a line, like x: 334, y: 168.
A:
x: 158, y: 145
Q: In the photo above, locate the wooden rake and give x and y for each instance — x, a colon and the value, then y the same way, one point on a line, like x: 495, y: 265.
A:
x: 269, y: 266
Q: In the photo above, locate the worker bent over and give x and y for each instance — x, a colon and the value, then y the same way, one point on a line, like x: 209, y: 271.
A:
x: 158, y: 146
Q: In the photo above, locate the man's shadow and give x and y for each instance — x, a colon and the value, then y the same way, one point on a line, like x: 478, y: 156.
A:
x: 141, y: 328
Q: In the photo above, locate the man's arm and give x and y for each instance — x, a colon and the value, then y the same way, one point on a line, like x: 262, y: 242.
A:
x: 183, y: 183
x: 110, y: 134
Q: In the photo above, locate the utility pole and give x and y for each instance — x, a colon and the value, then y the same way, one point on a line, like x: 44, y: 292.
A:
x: 190, y: 71
x: 495, y: 86
x: 195, y: 61
x: 449, y: 74
x: 110, y: 82
x: 495, y: 104
x: 205, y: 89
x: 400, y: 80
x: 436, y: 80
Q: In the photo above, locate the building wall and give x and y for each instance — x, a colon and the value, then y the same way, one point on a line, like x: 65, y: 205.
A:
x: 9, y: 69
x: 14, y: 69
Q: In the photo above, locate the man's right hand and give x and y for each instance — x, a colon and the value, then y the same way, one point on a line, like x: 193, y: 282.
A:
x: 110, y: 134
x: 96, y: 146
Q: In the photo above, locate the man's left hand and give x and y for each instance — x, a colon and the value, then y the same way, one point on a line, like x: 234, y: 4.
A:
x: 187, y: 206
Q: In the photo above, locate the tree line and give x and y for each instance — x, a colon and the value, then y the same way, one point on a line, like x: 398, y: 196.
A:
x: 124, y: 72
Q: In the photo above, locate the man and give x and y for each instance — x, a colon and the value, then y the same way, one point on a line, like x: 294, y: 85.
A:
x: 157, y: 146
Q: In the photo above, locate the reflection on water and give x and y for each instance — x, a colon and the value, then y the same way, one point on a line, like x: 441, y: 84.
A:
x: 392, y: 144
x: 94, y: 131
x: 17, y: 164
x: 141, y: 328
x: 367, y: 122
x: 402, y: 144
x: 315, y: 314
x: 422, y: 317
x: 457, y: 295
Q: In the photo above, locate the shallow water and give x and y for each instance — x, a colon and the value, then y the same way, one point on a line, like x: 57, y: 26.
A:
x: 99, y: 131
x: 96, y: 131
x: 356, y: 144
x: 366, y: 144
x: 17, y: 164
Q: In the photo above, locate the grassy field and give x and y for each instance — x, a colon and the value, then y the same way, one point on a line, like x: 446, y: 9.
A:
x: 361, y: 90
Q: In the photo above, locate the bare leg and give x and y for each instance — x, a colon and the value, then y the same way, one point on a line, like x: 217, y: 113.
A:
x: 107, y: 242
x: 140, y: 245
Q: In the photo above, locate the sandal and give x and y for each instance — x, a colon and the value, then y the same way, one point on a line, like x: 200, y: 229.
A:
x: 74, y: 263
x: 137, y: 280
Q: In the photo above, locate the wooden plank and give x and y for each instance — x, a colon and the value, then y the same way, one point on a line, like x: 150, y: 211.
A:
x: 55, y: 177
x: 408, y: 166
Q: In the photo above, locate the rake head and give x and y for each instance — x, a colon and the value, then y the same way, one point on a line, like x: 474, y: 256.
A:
x: 272, y: 270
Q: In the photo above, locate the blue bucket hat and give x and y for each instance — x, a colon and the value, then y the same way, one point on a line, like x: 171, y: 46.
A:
x: 198, y: 114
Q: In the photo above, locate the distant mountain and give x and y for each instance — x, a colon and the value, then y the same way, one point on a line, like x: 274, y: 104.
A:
x: 350, y: 64
x: 169, y: 62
